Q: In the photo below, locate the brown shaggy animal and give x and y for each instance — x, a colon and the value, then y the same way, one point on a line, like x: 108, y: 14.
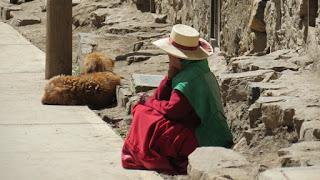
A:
x: 96, y: 89
x: 97, y: 62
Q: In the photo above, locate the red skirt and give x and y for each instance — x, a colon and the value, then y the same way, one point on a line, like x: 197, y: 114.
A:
x: 155, y: 143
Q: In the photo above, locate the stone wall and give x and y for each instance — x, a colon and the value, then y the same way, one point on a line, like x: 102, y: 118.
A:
x: 286, y: 24
x: 195, y: 13
x: 283, y: 23
x: 235, y: 35
x: 313, y: 44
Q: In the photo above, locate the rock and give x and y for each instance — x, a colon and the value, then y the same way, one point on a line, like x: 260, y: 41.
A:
x: 132, y: 101
x: 303, y: 89
x: 258, y: 62
x: 273, y: 111
x: 218, y: 163
x: 241, y: 144
x: 145, y: 82
x: 121, y: 30
x: 146, y: 36
x: 149, y: 53
x: 6, y: 11
x: 23, y: 19
x: 233, y: 86
x: 13, y: 1
x: 123, y: 95
x: 87, y: 44
x: 254, y: 114
x: 127, y: 120
x: 160, y: 18
x: 139, y: 58
x: 80, y: 13
x: 275, y: 115
x: 301, y: 154
x: 137, y: 46
x: 19, y: 1
x: 288, y: 101
x: 310, y: 131
x: 98, y: 17
x: 301, y: 61
x: 256, y: 88
x: 310, y: 173
x: 75, y: 2
x: 43, y: 8
x: 248, y: 135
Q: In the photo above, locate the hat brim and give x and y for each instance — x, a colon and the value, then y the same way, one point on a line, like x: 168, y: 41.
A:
x: 198, y: 54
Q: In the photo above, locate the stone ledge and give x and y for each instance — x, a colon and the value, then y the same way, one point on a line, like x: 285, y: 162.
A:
x: 219, y: 163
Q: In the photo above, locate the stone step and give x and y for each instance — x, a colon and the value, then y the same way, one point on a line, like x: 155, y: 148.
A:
x: 219, y: 163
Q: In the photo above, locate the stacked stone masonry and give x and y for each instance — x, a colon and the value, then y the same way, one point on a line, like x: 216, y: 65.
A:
x: 264, y: 25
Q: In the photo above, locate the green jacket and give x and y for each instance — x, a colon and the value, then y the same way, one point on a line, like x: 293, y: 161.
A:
x: 200, y: 86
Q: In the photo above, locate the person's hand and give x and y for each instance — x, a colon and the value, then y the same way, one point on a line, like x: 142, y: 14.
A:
x: 142, y: 97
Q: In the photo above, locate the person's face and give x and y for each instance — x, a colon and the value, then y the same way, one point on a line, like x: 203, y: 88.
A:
x: 174, y: 62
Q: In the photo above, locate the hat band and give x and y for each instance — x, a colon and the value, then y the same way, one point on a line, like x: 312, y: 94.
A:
x: 179, y: 46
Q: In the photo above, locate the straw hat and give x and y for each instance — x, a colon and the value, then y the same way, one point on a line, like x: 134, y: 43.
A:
x: 185, y: 43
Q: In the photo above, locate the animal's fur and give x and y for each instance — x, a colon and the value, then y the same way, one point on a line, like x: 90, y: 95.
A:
x: 97, y: 62
x: 93, y: 88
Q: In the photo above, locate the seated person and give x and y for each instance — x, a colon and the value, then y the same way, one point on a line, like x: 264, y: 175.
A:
x: 184, y: 113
